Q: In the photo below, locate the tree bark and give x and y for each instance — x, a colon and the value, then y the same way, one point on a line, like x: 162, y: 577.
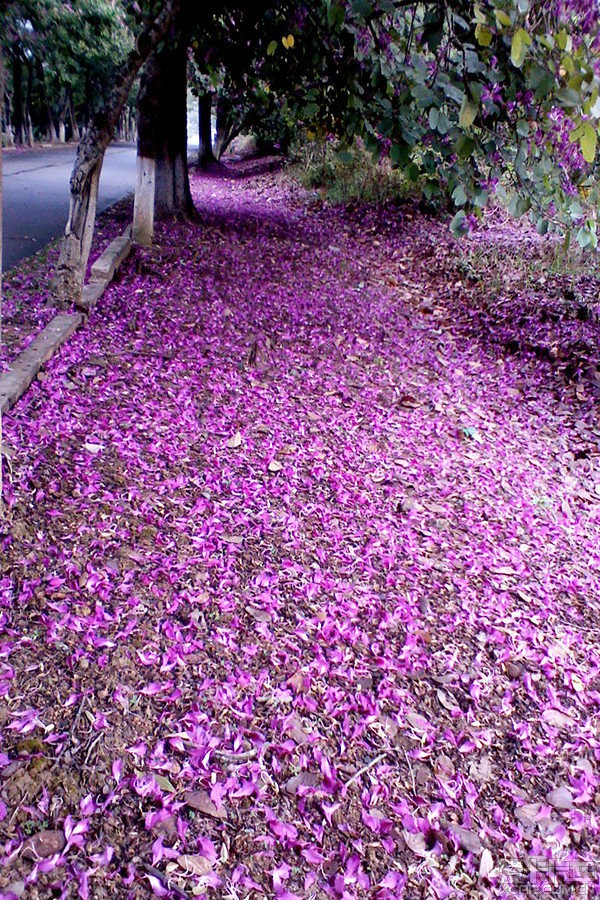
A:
x: 28, y: 97
x: 163, y: 182
x: 227, y: 128
x: 75, y: 249
x: 62, y: 117
x: 5, y: 119
x: 75, y: 133
x: 46, y: 110
x: 205, y: 149
x: 17, y: 78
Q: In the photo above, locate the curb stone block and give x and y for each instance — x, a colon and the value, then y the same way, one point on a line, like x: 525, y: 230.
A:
x: 15, y: 381
x: 92, y: 292
x: 107, y: 264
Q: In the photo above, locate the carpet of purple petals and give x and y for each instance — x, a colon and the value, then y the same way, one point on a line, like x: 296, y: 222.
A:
x: 301, y: 575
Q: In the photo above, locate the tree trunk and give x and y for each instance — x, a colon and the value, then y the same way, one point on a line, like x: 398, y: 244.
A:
x: 75, y: 133
x: 5, y: 119
x: 28, y: 97
x: 227, y: 127
x: 205, y: 151
x: 163, y: 187
x: 62, y: 118
x: 17, y: 78
x: 46, y: 110
x: 75, y: 249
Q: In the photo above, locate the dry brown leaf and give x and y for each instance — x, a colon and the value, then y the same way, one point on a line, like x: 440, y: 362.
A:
x: 418, y: 722
x: 201, y: 802
x: 194, y: 864
x: 467, y: 840
x: 416, y: 843
x: 296, y: 731
x: 44, y: 844
x: 296, y: 682
x: 310, y: 779
x: 527, y: 813
x: 481, y: 770
x: 259, y: 615
x: 444, y: 768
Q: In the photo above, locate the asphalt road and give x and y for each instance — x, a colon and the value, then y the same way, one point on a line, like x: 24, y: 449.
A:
x: 35, y: 197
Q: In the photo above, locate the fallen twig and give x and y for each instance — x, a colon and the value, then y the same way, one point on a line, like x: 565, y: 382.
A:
x: 366, y: 768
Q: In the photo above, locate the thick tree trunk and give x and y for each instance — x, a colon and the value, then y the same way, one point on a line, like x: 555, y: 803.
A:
x: 205, y: 149
x: 70, y: 271
x: 163, y: 187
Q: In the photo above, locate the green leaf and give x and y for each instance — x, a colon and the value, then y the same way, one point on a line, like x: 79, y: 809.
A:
x: 164, y: 784
x: 483, y: 35
x: 271, y: 48
x: 459, y: 195
x: 399, y: 154
x: 502, y: 19
x: 468, y: 113
x: 589, y: 142
x: 595, y: 108
x: 464, y: 146
x: 362, y: 8
x: 518, y: 51
x: 568, y: 97
x: 541, y: 80
x: 457, y: 225
x: 479, y: 14
x: 336, y: 15
x: 584, y: 238
x: 542, y: 226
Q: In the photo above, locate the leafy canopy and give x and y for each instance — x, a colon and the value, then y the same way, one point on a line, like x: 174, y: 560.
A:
x: 475, y: 99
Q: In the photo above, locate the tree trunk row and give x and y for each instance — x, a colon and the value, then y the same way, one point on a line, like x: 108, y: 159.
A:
x: 72, y: 264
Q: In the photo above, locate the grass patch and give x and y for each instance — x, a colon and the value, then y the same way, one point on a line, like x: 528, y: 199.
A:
x: 351, y: 175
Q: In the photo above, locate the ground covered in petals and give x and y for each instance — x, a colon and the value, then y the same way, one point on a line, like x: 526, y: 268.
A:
x: 301, y: 574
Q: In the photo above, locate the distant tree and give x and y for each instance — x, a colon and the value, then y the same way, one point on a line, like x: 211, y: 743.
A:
x: 62, y: 61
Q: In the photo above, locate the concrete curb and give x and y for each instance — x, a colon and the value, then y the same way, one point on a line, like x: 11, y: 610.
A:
x: 106, y: 265
x: 15, y: 381
x: 104, y: 269
x: 24, y: 368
